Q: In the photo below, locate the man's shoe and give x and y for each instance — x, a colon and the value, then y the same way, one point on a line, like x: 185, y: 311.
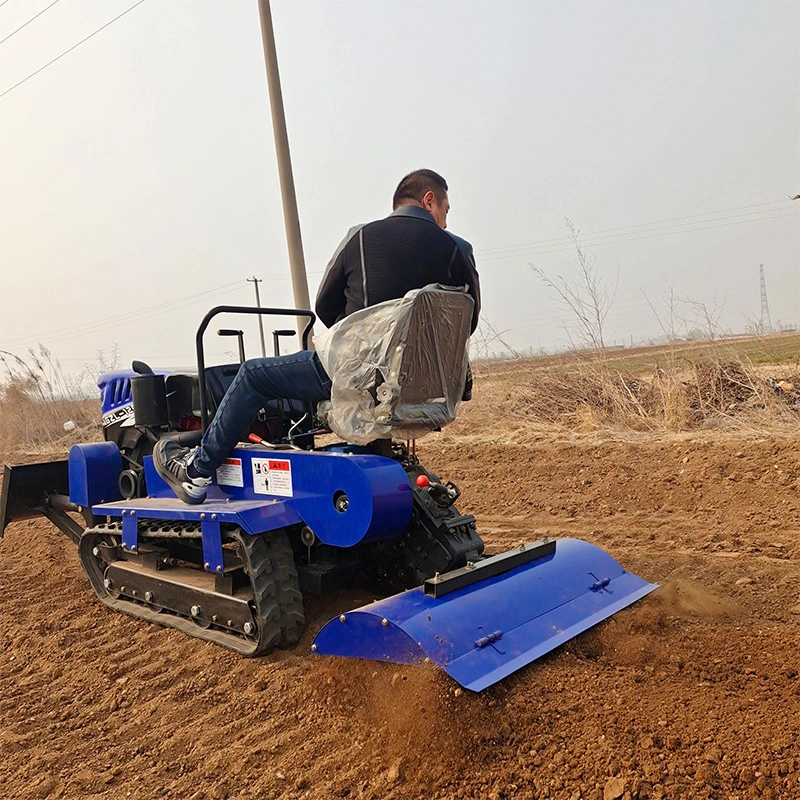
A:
x: 171, y: 461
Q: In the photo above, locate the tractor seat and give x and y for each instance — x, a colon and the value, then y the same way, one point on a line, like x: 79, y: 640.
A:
x: 398, y: 368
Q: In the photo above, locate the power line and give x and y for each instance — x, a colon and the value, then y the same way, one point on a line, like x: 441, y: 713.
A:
x: 609, y: 231
x: 682, y: 226
x: 71, y: 48
x: 117, y: 318
x: 3, y: 3
x: 95, y: 326
x: 622, y: 239
x: 28, y: 22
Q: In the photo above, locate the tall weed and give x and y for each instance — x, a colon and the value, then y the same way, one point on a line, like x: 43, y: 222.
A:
x: 36, y: 401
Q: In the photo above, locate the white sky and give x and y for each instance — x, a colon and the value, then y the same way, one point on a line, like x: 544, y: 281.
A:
x: 139, y: 187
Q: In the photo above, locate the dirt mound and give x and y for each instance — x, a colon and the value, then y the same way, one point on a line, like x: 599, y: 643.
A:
x: 691, y: 693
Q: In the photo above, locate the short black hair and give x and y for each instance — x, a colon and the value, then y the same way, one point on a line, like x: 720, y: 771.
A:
x: 417, y: 184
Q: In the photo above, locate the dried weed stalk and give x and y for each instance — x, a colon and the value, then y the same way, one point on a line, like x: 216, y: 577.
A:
x: 36, y: 399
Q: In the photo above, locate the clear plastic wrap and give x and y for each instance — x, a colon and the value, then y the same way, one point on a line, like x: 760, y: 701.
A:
x: 397, y: 368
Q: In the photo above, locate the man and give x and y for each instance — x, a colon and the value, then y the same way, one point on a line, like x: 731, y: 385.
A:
x: 380, y: 261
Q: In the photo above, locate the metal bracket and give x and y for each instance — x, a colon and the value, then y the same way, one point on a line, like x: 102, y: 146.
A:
x: 130, y: 532
x: 212, y: 544
x: 489, y: 567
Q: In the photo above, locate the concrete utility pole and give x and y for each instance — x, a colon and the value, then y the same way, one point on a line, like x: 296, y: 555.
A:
x: 255, y: 281
x: 291, y: 219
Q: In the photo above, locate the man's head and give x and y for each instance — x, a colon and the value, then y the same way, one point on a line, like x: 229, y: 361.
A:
x: 426, y: 189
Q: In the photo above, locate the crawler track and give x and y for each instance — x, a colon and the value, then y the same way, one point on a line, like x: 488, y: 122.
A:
x: 254, y: 607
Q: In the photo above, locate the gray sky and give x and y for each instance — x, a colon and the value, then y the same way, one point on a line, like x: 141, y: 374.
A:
x: 139, y: 180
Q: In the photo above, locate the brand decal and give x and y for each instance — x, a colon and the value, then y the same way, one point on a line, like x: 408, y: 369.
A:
x: 123, y: 414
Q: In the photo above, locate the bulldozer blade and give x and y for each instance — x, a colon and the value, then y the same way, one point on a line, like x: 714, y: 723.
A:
x: 25, y: 487
x: 494, y: 624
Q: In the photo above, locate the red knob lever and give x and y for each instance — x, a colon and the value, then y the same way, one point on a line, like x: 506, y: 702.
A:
x: 423, y: 481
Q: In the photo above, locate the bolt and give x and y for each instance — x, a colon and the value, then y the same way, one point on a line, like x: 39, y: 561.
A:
x: 385, y: 623
x: 108, y: 583
x: 96, y: 551
x: 133, y: 512
x: 249, y: 628
x: 219, y: 568
x: 202, y: 516
x: 195, y: 611
x: 230, y: 623
x: 313, y: 648
x: 206, y: 565
x: 343, y: 618
x: 133, y: 592
x: 213, y: 617
x: 148, y: 596
x: 124, y: 512
x: 122, y: 589
x: 213, y: 516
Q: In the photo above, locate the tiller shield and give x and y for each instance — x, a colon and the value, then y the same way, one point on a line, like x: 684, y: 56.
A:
x: 487, y: 620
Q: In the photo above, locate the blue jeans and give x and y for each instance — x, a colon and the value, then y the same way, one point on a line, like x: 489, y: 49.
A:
x: 299, y: 376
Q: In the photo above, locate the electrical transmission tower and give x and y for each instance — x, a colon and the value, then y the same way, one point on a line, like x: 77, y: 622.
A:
x: 766, y: 325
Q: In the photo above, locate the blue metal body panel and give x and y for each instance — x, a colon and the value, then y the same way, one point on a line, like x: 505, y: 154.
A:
x: 527, y: 612
x: 378, y: 490
x: 94, y: 473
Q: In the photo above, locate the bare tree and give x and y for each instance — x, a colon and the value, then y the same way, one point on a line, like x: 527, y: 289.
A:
x: 705, y: 321
x: 585, y: 294
x: 485, y: 339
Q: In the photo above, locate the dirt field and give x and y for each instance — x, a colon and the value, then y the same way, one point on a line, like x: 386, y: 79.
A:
x: 692, y: 693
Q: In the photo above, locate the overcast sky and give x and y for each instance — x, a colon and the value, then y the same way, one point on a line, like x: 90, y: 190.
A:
x: 140, y: 186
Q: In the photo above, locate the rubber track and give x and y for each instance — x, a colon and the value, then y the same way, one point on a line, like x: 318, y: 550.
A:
x: 287, y: 584
x: 269, y: 563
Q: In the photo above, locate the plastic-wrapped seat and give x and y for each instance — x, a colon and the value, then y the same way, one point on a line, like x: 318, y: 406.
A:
x: 397, y: 368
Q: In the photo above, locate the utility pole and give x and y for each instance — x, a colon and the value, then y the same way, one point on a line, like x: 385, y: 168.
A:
x: 766, y: 323
x: 255, y: 281
x: 291, y: 219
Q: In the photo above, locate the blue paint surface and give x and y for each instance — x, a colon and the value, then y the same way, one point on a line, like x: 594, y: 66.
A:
x: 535, y: 607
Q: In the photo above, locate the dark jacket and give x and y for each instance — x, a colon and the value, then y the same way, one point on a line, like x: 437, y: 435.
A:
x: 385, y: 259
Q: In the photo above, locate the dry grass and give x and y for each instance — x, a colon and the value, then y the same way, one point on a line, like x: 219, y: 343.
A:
x: 654, y: 391
x: 36, y: 401
x: 707, y: 394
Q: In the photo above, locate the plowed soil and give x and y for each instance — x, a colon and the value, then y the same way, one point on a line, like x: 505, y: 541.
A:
x: 693, y: 692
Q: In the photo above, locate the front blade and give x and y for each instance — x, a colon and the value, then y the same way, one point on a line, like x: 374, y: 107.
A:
x: 483, y: 632
x: 24, y: 487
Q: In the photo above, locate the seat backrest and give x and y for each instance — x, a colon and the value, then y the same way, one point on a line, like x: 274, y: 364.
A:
x: 397, y: 368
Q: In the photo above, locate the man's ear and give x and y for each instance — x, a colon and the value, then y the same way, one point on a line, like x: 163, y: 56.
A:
x: 428, y: 200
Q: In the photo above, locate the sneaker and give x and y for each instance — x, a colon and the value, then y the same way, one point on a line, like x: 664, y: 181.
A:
x: 171, y: 461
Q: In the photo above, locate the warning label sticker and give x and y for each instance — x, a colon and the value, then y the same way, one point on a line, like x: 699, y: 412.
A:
x: 229, y: 473
x: 272, y: 476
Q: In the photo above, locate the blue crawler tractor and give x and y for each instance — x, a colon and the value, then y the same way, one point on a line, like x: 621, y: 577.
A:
x: 286, y: 517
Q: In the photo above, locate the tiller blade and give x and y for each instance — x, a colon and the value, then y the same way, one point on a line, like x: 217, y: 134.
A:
x: 487, y: 620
